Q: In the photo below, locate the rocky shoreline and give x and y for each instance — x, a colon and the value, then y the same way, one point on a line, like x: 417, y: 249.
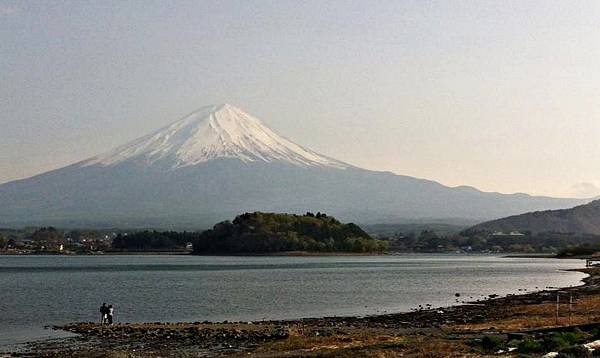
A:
x: 309, y: 336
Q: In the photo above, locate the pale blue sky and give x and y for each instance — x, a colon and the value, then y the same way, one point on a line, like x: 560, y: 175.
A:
x: 501, y: 95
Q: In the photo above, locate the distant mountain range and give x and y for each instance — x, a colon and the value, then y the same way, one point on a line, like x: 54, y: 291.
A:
x: 218, y: 162
x: 582, y: 219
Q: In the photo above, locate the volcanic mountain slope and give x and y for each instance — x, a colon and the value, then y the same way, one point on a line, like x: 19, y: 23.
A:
x: 582, y: 219
x: 220, y: 161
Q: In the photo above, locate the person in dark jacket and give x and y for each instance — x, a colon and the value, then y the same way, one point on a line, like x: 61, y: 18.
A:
x: 103, y: 313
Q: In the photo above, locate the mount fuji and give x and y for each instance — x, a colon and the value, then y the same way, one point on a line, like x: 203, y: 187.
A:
x: 219, y: 161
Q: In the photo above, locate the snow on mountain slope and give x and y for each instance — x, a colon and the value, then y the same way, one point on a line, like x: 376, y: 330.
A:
x: 212, y: 132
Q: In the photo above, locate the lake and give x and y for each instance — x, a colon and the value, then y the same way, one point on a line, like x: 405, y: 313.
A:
x: 45, y: 290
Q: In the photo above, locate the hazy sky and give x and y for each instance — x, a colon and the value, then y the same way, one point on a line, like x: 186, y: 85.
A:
x: 500, y: 95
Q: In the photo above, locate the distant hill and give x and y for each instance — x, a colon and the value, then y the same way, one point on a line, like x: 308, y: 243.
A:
x: 582, y: 219
x: 271, y: 232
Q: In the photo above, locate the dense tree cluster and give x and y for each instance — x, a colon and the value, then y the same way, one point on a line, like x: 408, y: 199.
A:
x: 270, y: 232
x: 153, y: 240
x: 581, y: 250
x: 47, y: 234
x: 429, y: 241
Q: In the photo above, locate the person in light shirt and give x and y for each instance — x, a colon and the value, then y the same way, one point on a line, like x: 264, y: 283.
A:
x: 110, y: 314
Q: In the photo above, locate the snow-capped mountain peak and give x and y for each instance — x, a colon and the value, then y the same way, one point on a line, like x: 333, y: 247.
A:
x: 212, y: 132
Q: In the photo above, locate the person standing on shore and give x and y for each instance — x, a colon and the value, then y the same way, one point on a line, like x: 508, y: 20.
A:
x: 103, y: 313
x: 110, y: 312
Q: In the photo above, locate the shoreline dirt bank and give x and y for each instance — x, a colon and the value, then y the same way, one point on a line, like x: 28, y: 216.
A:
x: 443, y: 332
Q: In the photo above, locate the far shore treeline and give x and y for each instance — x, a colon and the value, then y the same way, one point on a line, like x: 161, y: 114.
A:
x: 262, y: 233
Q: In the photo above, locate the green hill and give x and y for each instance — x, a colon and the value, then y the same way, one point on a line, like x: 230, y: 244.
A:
x: 272, y: 232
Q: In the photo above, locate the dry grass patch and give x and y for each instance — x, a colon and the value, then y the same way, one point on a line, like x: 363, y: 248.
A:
x: 585, y: 310
x: 431, y: 347
x: 313, y: 344
x: 367, y: 346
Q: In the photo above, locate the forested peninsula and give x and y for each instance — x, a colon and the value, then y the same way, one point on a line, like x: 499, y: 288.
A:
x: 262, y: 233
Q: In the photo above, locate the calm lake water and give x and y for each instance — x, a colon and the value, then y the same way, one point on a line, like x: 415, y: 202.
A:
x: 44, y: 290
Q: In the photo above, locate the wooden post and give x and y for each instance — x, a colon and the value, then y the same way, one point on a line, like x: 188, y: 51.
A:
x: 557, y: 306
x: 570, y: 306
